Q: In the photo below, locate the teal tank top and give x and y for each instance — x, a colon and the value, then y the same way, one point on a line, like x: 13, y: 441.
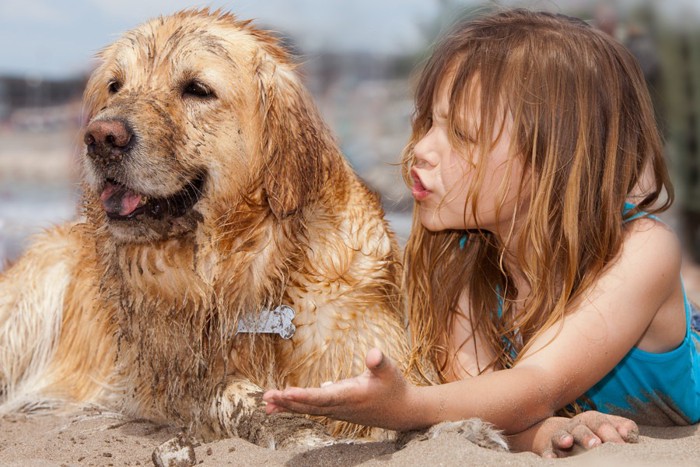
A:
x: 654, y: 388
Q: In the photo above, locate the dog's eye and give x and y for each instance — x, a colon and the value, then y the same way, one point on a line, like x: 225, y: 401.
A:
x: 197, y: 89
x: 114, y: 86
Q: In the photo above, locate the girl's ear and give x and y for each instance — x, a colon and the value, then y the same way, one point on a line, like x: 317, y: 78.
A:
x: 293, y: 141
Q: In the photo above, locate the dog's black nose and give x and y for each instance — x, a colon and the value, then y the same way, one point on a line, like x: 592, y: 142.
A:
x: 107, y: 140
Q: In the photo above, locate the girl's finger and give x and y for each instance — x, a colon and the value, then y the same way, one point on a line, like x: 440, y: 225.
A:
x: 562, y: 440
x: 271, y: 408
x: 584, y: 437
x: 628, y: 429
x: 609, y: 434
x: 287, y: 405
x: 375, y: 360
x: 339, y: 393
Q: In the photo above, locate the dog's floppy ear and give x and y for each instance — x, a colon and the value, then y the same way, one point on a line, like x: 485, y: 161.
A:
x: 294, y: 140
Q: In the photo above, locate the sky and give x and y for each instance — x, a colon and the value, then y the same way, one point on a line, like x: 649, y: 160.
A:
x: 58, y: 38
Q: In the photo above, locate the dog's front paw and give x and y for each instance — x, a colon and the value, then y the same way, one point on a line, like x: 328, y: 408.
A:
x: 474, y: 430
x: 239, y: 411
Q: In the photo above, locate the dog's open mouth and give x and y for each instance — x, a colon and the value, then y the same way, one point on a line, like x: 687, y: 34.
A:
x: 121, y: 203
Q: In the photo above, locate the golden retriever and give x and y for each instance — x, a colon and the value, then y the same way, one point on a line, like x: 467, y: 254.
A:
x: 213, y: 195
x: 225, y: 246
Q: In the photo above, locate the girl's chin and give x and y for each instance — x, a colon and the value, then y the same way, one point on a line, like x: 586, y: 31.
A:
x: 437, y: 222
x: 432, y: 222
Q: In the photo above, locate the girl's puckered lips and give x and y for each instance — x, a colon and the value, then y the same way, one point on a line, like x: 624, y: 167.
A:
x: 419, y: 191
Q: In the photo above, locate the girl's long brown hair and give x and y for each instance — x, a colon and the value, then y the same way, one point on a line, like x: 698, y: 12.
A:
x: 584, y: 128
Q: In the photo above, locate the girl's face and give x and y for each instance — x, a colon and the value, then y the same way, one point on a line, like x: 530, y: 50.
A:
x: 443, y: 177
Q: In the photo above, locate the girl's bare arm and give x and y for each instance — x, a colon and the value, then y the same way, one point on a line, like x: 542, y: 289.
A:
x: 562, y: 364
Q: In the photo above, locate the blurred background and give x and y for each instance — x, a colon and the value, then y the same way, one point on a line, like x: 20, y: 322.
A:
x: 359, y: 60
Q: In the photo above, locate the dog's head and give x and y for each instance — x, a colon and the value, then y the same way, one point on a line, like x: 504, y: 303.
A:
x: 192, y: 110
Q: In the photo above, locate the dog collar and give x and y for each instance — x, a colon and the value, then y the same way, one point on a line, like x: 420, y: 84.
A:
x: 275, y: 321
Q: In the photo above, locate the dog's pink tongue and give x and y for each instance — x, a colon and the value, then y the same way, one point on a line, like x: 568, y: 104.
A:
x: 117, y: 199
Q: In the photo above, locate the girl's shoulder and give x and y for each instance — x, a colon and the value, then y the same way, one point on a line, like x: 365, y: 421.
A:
x: 651, y: 250
x: 650, y: 269
x: 650, y: 236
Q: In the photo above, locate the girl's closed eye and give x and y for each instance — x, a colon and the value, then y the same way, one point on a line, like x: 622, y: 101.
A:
x: 465, y: 136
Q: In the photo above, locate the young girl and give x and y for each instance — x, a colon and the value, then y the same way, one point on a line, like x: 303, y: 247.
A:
x: 538, y: 278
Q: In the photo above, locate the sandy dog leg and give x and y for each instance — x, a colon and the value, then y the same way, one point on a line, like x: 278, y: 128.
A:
x: 31, y: 303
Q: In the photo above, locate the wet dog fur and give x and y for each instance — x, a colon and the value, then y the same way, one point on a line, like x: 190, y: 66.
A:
x: 212, y: 190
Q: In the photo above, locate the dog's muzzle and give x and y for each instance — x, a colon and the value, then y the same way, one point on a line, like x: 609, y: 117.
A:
x: 108, y: 141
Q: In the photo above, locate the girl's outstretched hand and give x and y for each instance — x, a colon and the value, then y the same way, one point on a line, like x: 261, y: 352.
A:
x: 378, y: 397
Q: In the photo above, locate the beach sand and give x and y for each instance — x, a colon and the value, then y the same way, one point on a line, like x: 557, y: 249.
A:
x: 90, y: 438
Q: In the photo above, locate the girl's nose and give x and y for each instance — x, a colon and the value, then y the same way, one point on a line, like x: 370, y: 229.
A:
x: 426, y: 150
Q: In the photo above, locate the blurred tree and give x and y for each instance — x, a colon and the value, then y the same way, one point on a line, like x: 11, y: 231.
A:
x: 680, y: 52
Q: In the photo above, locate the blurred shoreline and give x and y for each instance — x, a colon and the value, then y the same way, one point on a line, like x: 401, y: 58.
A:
x: 38, y: 185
